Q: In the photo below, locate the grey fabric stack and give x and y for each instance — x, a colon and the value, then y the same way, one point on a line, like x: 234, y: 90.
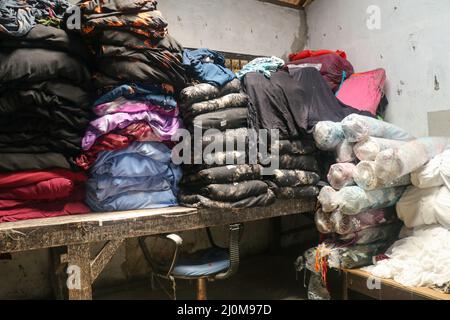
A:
x: 223, y: 177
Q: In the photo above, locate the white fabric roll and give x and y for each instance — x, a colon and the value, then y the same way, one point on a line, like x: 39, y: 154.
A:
x: 365, y: 176
x: 341, y: 175
x: 368, y: 150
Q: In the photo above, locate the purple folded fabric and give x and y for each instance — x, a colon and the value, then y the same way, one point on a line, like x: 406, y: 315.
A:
x: 163, y: 126
x: 130, y: 106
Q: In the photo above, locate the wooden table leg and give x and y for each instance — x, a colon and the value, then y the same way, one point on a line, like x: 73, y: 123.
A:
x: 79, y: 272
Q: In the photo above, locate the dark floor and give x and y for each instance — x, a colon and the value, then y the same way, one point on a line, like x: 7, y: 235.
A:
x: 269, y: 276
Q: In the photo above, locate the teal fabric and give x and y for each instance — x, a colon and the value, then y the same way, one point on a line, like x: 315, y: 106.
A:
x: 264, y: 65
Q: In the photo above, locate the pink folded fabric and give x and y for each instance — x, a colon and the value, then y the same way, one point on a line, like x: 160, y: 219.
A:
x: 129, y: 106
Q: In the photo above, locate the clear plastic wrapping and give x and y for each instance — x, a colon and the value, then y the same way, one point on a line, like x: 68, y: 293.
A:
x: 344, y: 152
x: 323, y: 222
x: 434, y: 174
x: 365, y: 176
x: 367, y: 150
x: 344, y: 224
x: 341, y: 175
x: 394, y: 163
x: 370, y: 235
x: 353, y: 200
x: 328, y: 135
x: 357, y: 128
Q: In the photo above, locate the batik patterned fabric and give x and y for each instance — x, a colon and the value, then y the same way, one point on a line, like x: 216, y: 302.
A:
x: 204, y: 91
x: 233, y: 100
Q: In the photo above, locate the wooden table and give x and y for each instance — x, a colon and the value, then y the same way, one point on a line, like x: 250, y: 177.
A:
x: 77, y: 233
x: 357, y: 280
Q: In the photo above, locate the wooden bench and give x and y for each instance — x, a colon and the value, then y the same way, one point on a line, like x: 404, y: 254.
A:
x: 77, y: 234
x: 357, y: 281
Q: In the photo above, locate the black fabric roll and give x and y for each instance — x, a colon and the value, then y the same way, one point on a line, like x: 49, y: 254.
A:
x: 227, y: 119
x: 198, y: 201
x: 291, y: 162
x: 294, y: 178
x: 221, y: 175
x: 296, y: 192
x: 234, y: 192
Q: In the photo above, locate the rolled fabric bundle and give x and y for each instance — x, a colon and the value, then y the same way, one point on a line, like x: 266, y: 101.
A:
x: 323, y: 222
x: 199, y: 201
x: 367, y: 150
x: 433, y: 173
x: 353, y: 200
x: 365, y: 176
x: 345, y: 224
x: 232, y: 100
x: 345, y: 153
x: 328, y: 135
x: 328, y: 199
x: 394, y: 163
x: 234, y: 192
x: 294, y: 178
x: 206, y: 91
x: 374, y: 234
x: 357, y: 128
x: 296, y: 192
x: 341, y: 175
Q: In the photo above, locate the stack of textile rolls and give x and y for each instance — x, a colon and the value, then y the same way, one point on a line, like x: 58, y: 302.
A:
x: 138, y: 73
x: 220, y: 175
x: 358, y: 209
x: 44, y: 110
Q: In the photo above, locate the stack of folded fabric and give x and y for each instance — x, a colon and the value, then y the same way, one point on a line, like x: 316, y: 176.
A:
x: 292, y: 103
x: 43, y: 111
x: 138, y: 73
x: 221, y: 175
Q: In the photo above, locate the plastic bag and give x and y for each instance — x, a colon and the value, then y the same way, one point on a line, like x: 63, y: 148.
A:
x: 434, y: 173
x: 328, y: 135
x: 365, y: 176
x: 394, y: 163
x: 358, y: 128
x: 341, y: 175
x: 368, y: 150
x: 328, y: 199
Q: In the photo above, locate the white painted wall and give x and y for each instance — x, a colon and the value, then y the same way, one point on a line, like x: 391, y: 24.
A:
x: 413, y: 45
x: 241, y: 26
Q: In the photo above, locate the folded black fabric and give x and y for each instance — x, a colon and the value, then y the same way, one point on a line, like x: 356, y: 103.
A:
x: 129, y: 70
x: 35, y: 65
x: 296, y: 192
x: 48, y: 95
x: 293, y: 162
x: 293, y: 105
x: 40, y: 142
x: 45, y: 120
x: 234, y: 192
x: 227, y: 119
x: 198, y: 201
x: 116, y: 6
x: 294, y: 178
x: 232, y: 100
x: 10, y: 162
x: 217, y: 159
x: 235, y: 137
x: 48, y: 37
x: 221, y: 175
x: 205, y: 91
x: 297, y: 147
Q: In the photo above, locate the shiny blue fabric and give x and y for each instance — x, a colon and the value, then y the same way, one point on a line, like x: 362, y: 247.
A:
x: 139, y: 92
x: 141, y: 176
x: 213, y: 72
x: 202, y: 263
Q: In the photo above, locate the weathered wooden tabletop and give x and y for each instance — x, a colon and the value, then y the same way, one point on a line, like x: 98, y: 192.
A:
x: 95, y: 227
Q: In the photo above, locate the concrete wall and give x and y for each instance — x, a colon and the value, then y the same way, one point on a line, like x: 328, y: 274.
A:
x: 241, y: 26
x: 413, y: 45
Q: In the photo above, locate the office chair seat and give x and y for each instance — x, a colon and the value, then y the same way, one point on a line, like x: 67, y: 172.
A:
x: 202, y: 263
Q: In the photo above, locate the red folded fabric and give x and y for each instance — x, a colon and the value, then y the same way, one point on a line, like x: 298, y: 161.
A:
x: 314, y: 53
x: 40, y: 194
